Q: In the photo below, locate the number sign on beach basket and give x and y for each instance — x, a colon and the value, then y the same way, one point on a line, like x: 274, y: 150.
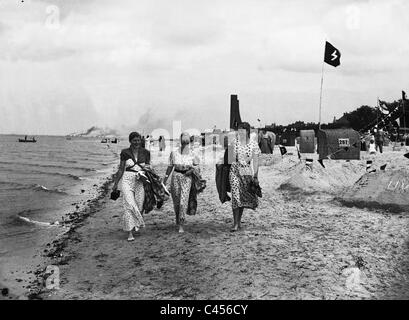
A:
x: 340, y: 144
x: 307, y: 141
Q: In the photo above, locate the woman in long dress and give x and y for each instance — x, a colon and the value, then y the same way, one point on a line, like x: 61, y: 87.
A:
x: 265, y: 143
x: 182, y: 162
x: 133, y: 160
x: 243, y: 172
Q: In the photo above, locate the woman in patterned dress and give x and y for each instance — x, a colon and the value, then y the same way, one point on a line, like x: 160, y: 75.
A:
x: 133, y: 160
x: 244, y: 169
x: 181, y: 164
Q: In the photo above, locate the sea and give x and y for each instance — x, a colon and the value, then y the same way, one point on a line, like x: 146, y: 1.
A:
x: 42, y: 182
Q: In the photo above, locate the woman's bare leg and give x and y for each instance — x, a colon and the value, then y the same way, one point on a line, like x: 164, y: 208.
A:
x: 179, y: 222
x: 181, y: 227
x: 235, y: 220
x: 240, y: 214
x: 177, y: 216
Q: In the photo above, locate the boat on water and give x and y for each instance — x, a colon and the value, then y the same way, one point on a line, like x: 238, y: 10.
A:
x: 27, y: 140
x: 109, y: 140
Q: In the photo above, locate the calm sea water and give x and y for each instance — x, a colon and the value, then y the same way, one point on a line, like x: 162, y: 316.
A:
x: 41, y: 182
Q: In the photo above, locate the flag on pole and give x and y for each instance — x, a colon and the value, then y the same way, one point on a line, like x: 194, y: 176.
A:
x: 283, y: 150
x: 332, y: 55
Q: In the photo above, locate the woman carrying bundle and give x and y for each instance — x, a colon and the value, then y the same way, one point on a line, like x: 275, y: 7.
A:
x: 132, y: 162
x: 186, y: 181
x: 244, y: 174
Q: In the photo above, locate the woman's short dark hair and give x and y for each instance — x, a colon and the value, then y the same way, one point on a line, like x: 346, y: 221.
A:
x: 134, y: 135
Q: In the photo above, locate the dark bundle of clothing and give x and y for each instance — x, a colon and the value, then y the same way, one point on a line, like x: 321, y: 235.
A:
x: 155, y: 194
x: 254, y: 187
x: 222, y: 178
x: 198, y: 185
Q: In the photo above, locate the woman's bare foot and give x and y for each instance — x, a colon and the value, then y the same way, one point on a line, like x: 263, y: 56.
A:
x: 130, y: 236
x: 181, y: 229
x: 235, y: 228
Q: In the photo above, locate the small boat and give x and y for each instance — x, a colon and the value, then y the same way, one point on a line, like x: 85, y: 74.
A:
x: 114, y: 140
x: 27, y: 140
x: 104, y: 141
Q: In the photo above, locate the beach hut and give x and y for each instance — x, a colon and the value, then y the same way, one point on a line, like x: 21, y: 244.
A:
x: 307, y: 141
x: 340, y: 144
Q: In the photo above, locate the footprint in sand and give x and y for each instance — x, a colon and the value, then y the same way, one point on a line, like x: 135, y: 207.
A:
x: 102, y: 257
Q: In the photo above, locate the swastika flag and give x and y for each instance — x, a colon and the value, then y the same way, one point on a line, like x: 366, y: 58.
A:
x: 332, y: 55
x: 283, y: 150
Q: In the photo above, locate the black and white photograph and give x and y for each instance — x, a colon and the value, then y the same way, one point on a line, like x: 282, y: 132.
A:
x: 214, y: 150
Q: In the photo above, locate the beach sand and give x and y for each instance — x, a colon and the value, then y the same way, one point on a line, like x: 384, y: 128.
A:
x: 18, y: 272
x: 301, y: 243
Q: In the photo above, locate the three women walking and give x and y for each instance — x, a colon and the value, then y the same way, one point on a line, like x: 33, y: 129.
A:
x: 141, y: 186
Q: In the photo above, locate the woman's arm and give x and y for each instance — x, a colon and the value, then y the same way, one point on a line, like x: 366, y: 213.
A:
x: 167, y: 174
x: 255, y: 165
x: 169, y: 169
x: 119, y: 174
x: 195, y: 164
x: 148, y: 158
x: 256, y: 154
x: 147, y: 163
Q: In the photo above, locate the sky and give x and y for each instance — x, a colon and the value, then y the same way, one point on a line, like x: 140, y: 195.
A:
x: 67, y: 65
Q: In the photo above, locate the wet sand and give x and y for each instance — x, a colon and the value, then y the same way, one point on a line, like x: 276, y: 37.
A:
x: 297, y: 245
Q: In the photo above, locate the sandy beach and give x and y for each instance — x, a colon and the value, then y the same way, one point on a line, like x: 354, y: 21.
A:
x: 301, y: 243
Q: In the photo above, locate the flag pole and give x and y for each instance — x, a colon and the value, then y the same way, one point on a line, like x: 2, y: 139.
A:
x: 377, y: 112
x: 322, y: 81
x: 403, y: 111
